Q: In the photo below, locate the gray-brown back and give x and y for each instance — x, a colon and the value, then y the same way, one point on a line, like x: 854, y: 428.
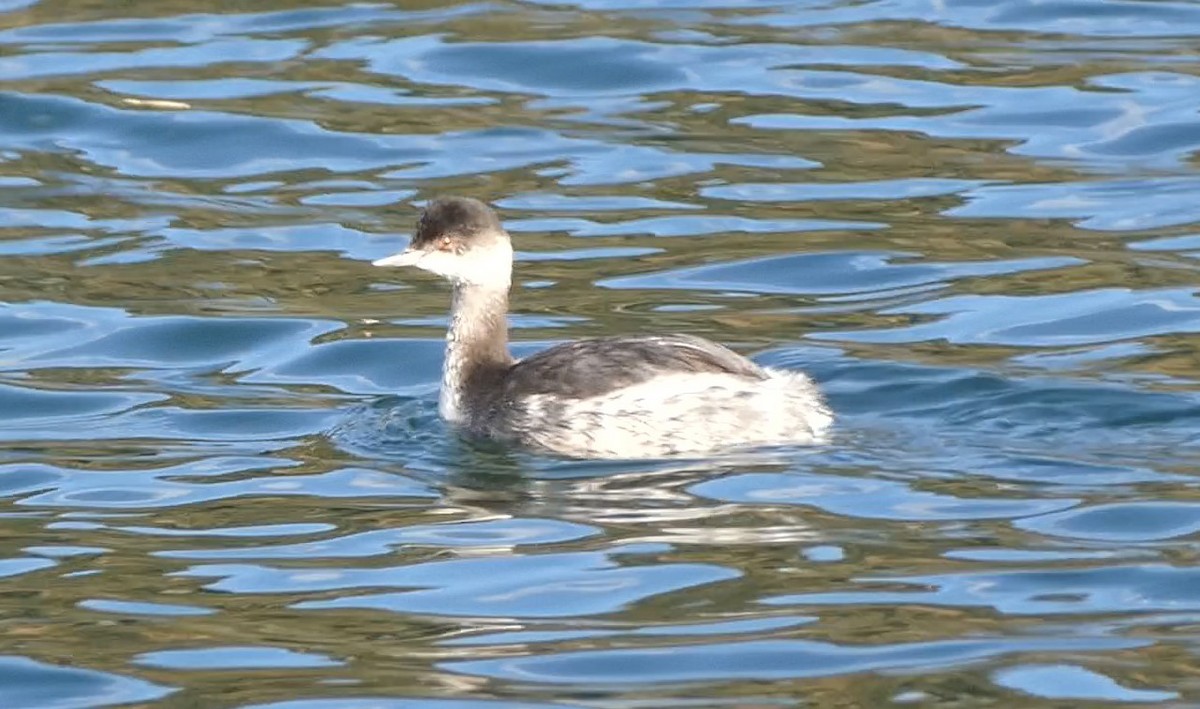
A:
x: 587, y: 368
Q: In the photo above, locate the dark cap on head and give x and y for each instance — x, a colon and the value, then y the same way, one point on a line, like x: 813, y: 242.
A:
x: 464, y: 220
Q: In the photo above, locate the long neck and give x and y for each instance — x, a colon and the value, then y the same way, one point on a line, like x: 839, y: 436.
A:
x: 476, y: 346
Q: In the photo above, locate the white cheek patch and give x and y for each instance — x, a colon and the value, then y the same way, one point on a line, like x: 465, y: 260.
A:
x: 478, y: 267
x: 436, y: 262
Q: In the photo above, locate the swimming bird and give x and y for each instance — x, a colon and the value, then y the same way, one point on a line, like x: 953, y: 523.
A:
x: 638, y: 396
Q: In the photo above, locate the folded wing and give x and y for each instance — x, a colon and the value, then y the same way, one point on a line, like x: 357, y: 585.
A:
x: 588, y: 368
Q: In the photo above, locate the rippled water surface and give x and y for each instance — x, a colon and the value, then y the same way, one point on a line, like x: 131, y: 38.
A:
x: 224, y: 484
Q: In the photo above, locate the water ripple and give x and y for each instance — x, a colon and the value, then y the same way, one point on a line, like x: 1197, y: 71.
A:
x: 30, y: 684
x: 761, y: 660
x: 222, y: 473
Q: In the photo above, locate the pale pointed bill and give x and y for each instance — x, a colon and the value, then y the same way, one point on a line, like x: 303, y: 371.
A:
x: 408, y: 257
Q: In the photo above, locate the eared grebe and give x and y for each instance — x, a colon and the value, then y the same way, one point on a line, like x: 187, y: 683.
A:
x: 611, y: 397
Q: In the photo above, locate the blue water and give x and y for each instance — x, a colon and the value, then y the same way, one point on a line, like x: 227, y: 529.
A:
x: 222, y: 478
